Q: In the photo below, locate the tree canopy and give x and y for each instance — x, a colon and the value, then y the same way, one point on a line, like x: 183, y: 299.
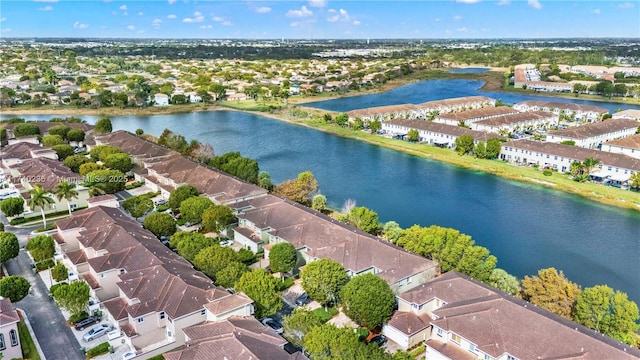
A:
x: 214, y: 258
x: 364, y: 219
x: 357, y: 296
x: 103, y: 126
x: 12, y: 206
x: 41, y: 247
x: 298, y: 324
x: 73, y: 297
x: 504, y: 281
x: 230, y: 274
x: 120, y: 161
x: 217, y: 217
x: 14, y: 287
x: 464, y: 144
x: 236, y: 165
x: 138, y: 206
x: 59, y: 272
x: 262, y: 288
x: 300, y: 189
x: 193, y: 208
x: 282, y: 257
x: 160, y: 224
x: 105, y: 180
x: 9, y: 246
x: 329, y: 342
x: 73, y: 162
x: 63, y: 151
x: 323, y: 279
x: 180, y: 194
x: 551, y: 290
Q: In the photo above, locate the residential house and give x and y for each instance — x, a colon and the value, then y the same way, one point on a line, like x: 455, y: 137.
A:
x: 9, y: 337
x: 629, y: 146
x: 17, y: 153
x: 627, y: 114
x: 471, y: 320
x: 592, y: 135
x: 269, y: 220
x: 433, y: 133
x: 579, y: 112
x: 470, y: 116
x: 193, y: 97
x: 237, y: 337
x: 161, y: 100
x: 384, y: 113
x: 517, y: 122
x: 618, y: 167
x: 44, y: 127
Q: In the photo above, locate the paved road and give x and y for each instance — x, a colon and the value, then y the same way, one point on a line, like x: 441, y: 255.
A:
x: 55, y: 337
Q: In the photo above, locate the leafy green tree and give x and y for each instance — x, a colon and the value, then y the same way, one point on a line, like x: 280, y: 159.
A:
x: 493, y: 148
x: 160, y: 224
x: 12, y: 206
x: 413, y: 135
x: 74, y: 162
x: 103, y: 126
x: 88, y: 167
x: 464, y: 144
x: 59, y: 272
x: 262, y: 288
x: 328, y: 342
x: 121, y: 162
x: 634, y: 180
x: 607, y: 311
x: 319, y: 203
x: 300, y: 189
x: 100, y: 152
x: 60, y: 130
x: 40, y: 198
x: 173, y: 141
x: 236, y: 165
x: 139, y: 132
x: 480, y: 150
x: 323, y: 279
x: 63, y: 151
x: 51, y: 140
x: 364, y: 219
x: 189, y: 249
x: 504, y: 281
x: 66, y: 190
x: 375, y: 126
x: 180, y: 236
x: 138, y: 206
x: 264, y: 180
x: 392, y: 231
x: 213, y: 258
x: 356, y: 298
x: 72, y: 297
x: 217, y: 217
x: 552, y: 291
x: 15, y: 288
x: 298, y: 324
x: 41, y: 247
x: 230, y: 274
x: 108, y: 181
x: 282, y: 257
x: 342, y: 119
x: 26, y: 129
x: 192, y: 208
x: 76, y: 135
x: 180, y: 194
x: 9, y: 246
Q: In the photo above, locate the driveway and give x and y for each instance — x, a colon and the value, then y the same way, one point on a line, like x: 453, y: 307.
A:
x: 55, y: 337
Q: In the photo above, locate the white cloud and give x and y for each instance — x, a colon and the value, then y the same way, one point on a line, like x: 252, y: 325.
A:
x: 156, y: 23
x: 79, y: 25
x: 535, y: 4
x: 468, y: 1
x: 141, y: 31
x: 131, y: 27
x: 227, y: 23
x: 457, y: 18
x: 295, y: 24
x: 462, y: 29
x: 217, y: 19
x: 47, y: 1
x: 171, y: 2
x: 140, y: 13
x: 263, y: 9
x: 206, y: 26
x: 504, y: 2
x: 3, y: 19
x: 46, y: 8
x: 125, y: 13
x: 6, y: 30
x: 437, y: 19
x: 197, y: 17
x: 338, y: 15
x: 625, y: 5
x: 171, y: 16
x: 318, y: 3
x: 303, y: 12
x: 596, y: 11
x: 123, y: 7
x: 356, y: 22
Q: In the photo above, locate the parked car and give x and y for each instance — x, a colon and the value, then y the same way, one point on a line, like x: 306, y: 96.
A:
x: 273, y: 324
x: 128, y: 355
x: 225, y: 243
x: 85, y: 323
x: 96, y: 332
x: 159, y: 202
x: 379, y: 340
x: 114, y: 334
x: 303, y: 299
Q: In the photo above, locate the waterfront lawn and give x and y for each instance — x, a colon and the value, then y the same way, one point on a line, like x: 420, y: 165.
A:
x: 252, y: 105
x: 598, y: 192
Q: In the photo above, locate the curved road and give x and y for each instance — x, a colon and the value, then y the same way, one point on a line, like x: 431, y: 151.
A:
x: 55, y: 337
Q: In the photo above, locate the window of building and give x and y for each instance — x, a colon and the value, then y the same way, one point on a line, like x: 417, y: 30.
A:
x: 14, y: 338
x: 162, y: 315
x: 168, y: 333
x: 121, y: 271
x: 141, y: 319
x: 440, y: 332
x: 487, y: 357
x: 509, y: 357
x: 2, y: 345
x: 473, y: 348
x: 203, y: 312
x: 457, y: 339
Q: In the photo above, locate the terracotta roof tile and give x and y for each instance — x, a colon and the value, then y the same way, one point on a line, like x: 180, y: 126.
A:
x: 8, y: 314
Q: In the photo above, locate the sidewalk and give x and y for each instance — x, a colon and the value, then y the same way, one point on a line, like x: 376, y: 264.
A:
x: 23, y: 314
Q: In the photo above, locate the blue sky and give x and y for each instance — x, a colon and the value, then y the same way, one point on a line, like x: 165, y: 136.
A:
x: 319, y: 19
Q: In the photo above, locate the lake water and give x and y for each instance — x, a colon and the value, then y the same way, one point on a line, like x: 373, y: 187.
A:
x: 469, y: 70
x: 525, y: 226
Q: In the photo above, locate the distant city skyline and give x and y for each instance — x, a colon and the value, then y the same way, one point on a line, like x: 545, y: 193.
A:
x: 319, y: 19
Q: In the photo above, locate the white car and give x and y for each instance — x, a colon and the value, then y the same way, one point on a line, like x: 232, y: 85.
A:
x: 96, y: 332
x: 129, y: 355
x: 225, y: 243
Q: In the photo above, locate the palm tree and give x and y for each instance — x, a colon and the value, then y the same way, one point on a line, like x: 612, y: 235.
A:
x: 40, y: 198
x: 66, y: 190
x: 634, y: 180
x: 590, y: 164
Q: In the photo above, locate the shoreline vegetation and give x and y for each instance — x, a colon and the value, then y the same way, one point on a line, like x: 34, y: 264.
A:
x: 310, y: 117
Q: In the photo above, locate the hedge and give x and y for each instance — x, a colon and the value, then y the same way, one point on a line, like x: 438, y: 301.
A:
x: 98, y: 350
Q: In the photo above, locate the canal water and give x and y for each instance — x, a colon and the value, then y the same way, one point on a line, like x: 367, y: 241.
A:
x: 527, y: 227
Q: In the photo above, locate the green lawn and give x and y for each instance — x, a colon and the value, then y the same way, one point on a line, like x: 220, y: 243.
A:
x: 29, y: 350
